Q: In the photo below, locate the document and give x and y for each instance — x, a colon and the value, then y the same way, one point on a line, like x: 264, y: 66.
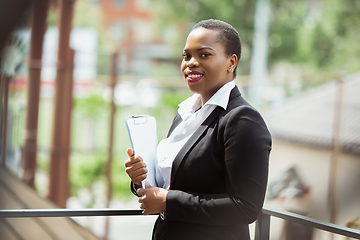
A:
x: 144, y: 141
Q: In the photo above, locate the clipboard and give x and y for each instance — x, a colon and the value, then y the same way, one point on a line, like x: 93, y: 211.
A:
x: 144, y: 141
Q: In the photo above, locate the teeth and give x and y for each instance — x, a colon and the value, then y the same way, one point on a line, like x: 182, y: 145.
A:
x: 194, y: 75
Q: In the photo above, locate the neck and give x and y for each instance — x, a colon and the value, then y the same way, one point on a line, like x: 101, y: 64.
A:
x: 205, y: 98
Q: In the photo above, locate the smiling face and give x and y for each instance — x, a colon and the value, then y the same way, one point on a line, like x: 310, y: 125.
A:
x: 205, y: 66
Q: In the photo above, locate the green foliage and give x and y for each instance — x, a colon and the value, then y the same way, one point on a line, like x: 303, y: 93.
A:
x: 87, y: 15
x: 165, y: 111
x: 285, y: 20
x: 120, y: 180
x: 315, y: 36
x: 172, y: 98
x: 43, y: 162
x: 91, y: 106
x: 52, y: 17
x: 88, y: 171
x: 321, y: 37
x: 85, y: 170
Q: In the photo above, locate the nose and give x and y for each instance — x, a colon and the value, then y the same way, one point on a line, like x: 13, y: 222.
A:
x: 192, y: 63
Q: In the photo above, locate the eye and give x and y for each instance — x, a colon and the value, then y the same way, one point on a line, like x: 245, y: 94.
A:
x: 205, y: 55
x: 185, y: 55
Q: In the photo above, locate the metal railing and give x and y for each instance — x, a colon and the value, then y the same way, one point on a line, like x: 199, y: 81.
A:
x: 262, y: 227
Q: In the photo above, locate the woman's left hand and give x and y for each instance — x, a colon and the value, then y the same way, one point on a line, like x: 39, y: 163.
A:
x: 153, y: 199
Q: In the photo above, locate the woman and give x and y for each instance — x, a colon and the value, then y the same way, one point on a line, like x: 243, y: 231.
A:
x: 212, y: 169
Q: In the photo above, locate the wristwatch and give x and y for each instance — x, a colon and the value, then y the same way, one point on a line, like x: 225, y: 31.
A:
x: 163, y: 215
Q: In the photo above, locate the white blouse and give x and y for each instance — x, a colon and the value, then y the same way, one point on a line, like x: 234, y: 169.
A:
x: 192, y: 115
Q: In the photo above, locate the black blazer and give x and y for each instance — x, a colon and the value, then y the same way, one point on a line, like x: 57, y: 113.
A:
x: 219, y: 177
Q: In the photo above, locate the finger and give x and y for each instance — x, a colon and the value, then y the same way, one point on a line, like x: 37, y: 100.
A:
x: 145, y: 212
x: 139, y: 165
x: 140, y: 192
x: 136, y: 170
x: 137, y: 179
x: 128, y: 163
x: 133, y: 160
x: 135, y: 166
x: 130, y: 152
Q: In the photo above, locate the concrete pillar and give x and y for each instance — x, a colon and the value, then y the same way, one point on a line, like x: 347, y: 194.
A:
x: 59, y: 165
x: 4, y: 110
x: 39, y: 11
x: 114, y: 74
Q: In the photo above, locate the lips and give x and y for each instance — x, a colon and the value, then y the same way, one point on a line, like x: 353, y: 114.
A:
x: 193, y: 76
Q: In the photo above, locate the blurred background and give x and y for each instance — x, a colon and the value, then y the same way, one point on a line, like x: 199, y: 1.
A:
x: 72, y: 70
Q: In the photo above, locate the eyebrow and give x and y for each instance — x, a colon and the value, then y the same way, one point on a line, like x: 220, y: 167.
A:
x: 202, y: 48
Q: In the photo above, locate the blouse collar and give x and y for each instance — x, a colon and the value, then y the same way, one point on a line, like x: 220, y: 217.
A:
x: 193, y: 103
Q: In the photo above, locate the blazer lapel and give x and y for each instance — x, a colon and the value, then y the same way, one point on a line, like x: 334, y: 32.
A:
x: 235, y: 92
x: 177, y: 120
x: 191, y: 142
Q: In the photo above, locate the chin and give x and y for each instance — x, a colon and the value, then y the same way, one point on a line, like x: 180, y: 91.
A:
x: 194, y: 89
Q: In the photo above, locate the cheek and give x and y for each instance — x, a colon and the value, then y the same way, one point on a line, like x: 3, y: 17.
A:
x: 182, y: 66
x: 215, y: 69
x: 221, y: 66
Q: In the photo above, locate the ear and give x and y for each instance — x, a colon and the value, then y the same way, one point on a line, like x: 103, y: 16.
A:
x: 233, y: 61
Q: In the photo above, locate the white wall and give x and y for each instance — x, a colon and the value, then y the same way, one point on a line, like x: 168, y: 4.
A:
x: 313, y: 166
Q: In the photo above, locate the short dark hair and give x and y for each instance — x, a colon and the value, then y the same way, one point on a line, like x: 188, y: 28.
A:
x: 228, y: 36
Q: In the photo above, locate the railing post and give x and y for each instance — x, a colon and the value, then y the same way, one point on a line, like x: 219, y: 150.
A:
x: 262, y: 227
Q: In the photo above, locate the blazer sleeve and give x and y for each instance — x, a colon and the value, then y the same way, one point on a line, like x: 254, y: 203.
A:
x: 247, y: 144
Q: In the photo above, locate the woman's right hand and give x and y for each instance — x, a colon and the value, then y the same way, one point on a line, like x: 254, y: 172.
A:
x: 135, y: 168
